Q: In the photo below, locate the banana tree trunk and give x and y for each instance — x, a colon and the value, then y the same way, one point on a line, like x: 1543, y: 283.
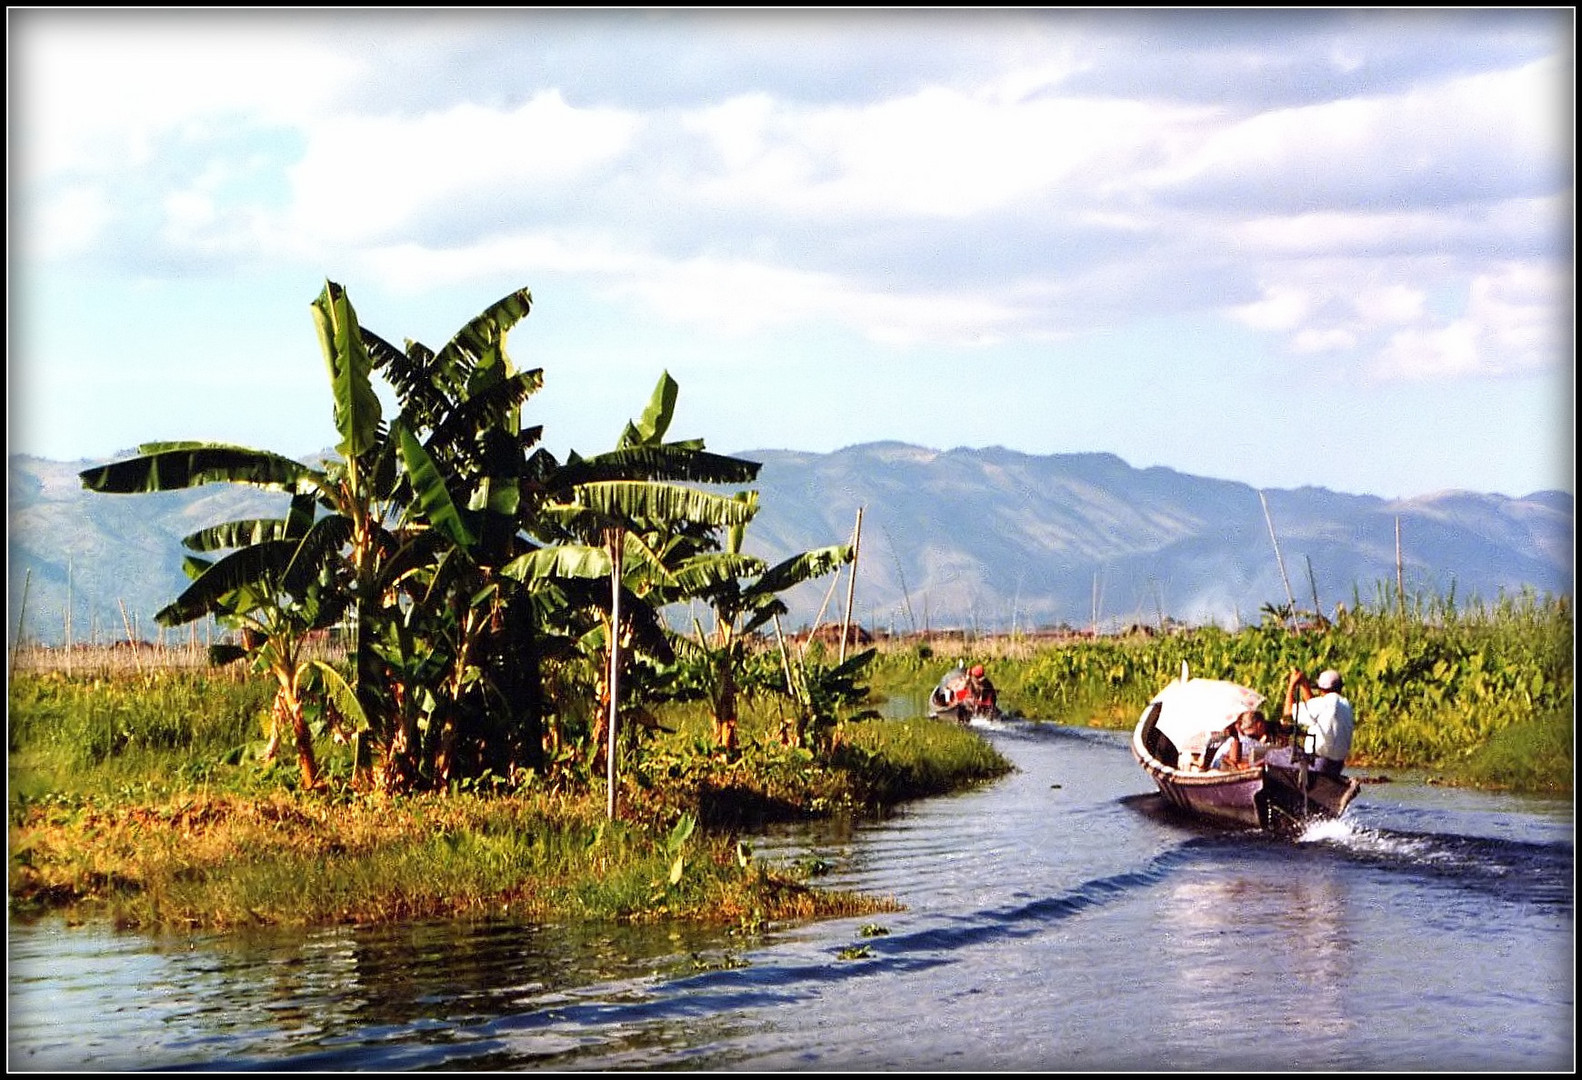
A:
x: 725, y: 702
x: 288, y: 711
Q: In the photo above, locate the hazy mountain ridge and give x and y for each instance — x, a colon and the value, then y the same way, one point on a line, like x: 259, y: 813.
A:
x: 985, y: 538
x: 992, y: 538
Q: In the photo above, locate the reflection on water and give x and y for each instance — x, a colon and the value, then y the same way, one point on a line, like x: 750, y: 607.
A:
x: 1259, y: 948
x: 259, y: 994
x: 1056, y: 919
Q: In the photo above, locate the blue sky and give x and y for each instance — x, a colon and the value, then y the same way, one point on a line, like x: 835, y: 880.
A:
x: 1287, y: 247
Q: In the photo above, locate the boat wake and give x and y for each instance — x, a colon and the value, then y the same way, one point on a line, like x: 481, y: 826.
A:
x: 1521, y: 871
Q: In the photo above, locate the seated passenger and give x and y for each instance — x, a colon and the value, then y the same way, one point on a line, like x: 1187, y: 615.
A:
x: 1248, y: 745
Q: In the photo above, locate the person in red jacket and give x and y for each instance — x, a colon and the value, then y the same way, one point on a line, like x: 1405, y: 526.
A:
x: 980, y: 688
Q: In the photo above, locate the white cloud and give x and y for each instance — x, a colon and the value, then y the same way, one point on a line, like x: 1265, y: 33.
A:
x: 101, y: 92
x: 1510, y: 327
x: 68, y: 222
x: 1334, y: 339
x: 1494, y: 129
x: 725, y: 297
x: 941, y: 152
x: 1430, y: 353
x: 364, y: 178
x: 1508, y: 323
x: 1389, y: 304
x: 1282, y: 308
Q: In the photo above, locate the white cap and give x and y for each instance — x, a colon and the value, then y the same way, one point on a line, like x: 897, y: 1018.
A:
x: 1329, y: 679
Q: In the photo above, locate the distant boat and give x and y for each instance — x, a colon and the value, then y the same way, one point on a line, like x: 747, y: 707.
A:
x: 954, y: 699
x: 1279, y: 793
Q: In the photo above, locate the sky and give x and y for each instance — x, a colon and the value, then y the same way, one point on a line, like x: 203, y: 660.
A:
x: 1286, y: 247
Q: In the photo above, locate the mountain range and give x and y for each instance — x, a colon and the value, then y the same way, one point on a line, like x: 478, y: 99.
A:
x: 989, y: 540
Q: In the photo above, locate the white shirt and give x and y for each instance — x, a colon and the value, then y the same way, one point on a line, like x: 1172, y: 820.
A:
x: 1328, y: 716
x: 1251, y: 751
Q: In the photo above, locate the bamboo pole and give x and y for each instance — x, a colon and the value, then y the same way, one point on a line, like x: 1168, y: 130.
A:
x: 21, y: 620
x: 1400, y: 577
x: 900, y: 575
x: 68, y: 615
x: 1290, y: 598
x: 1098, y: 602
x: 818, y: 619
x: 851, y: 584
x: 137, y: 663
x: 616, y: 546
x: 785, y: 658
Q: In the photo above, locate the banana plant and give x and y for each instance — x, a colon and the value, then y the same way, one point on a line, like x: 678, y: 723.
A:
x: 466, y: 460
x: 382, y: 503
x: 744, y: 595
x: 278, y: 603
x: 629, y: 515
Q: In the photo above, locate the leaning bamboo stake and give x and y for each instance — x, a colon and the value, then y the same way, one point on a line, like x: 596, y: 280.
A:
x: 785, y: 658
x: 851, y: 584
x: 1290, y: 598
x: 818, y: 619
x: 21, y: 620
x: 1312, y: 583
x: 131, y: 641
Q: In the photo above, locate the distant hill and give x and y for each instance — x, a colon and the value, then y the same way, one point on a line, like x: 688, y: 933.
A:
x: 984, y: 539
x: 992, y: 538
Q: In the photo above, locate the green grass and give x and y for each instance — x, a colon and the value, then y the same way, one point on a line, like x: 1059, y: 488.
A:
x: 174, y: 822
x: 1532, y: 756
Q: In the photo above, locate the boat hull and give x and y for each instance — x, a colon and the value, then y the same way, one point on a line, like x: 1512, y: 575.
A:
x: 953, y: 699
x: 961, y: 710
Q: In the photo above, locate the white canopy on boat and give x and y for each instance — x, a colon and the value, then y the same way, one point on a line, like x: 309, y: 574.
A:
x: 1193, y: 708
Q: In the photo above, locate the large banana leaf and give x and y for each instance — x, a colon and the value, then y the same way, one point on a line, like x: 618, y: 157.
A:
x: 357, y: 409
x: 246, y: 567
x: 478, y: 349
x: 176, y: 466
x: 800, y: 568
x: 736, y: 534
x: 623, y: 501
x: 428, y: 486
x: 491, y: 407
x: 423, y: 397
x: 651, y: 427
x: 317, y: 549
x: 341, y: 693
x: 764, y: 609
x: 708, y: 571
x: 235, y: 534
x: 560, y: 561
x: 667, y: 462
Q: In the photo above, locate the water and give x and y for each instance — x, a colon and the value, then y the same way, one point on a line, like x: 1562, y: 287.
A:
x: 1060, y: 918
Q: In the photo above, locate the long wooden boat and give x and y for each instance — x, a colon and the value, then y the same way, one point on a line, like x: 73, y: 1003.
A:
x: 1280, y: 793
x: 953, y: 699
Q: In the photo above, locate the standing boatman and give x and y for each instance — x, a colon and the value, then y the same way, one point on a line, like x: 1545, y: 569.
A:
x: 1325, y: 715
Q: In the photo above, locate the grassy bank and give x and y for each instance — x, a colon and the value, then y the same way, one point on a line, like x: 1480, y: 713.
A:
x: 137, y: 797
